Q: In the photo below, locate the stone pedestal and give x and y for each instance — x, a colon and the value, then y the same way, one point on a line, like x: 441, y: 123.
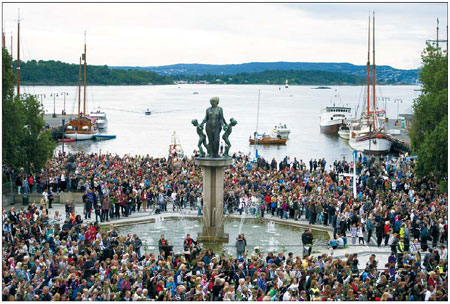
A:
x: 213, y: 180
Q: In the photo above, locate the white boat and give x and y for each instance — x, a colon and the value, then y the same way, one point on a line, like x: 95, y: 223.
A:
x: 82, y: 127
x: 102, y: 121
x: 334, y: 116
x: 281, y: 131
x: 368, y: 135
x: 344, y: 132
x: 286, y: 85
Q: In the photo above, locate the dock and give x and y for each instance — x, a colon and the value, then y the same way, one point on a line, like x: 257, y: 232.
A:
x: 401, y: 142
x: 56, y: 122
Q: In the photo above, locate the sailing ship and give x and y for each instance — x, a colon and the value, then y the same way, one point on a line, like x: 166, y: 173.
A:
x: 286, y: 85
x: 368, y: 135
x: 264, y: 139
x: 83, y: 127
x: 334, y: 116
x: 175, y: 149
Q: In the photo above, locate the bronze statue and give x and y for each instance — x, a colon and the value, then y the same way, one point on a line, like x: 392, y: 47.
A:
x: 226, y: 134
x: 202, y: 137
x: 214, y: 121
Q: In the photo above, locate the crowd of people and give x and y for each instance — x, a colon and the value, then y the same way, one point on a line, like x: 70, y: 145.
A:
x: 65, y: 258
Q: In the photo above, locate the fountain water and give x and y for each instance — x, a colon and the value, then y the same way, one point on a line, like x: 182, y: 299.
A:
x: 241, y: 223
x: 271, y: 227
x: 158, y: 222
x: 273, y: 244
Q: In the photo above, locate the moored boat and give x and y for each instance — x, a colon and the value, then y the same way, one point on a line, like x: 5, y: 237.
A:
x: 267, y: 140
x: 148, y: 112
x: 344, y: 132
x: 334, y: 116
x: 281, y: 130
x: 368, y: 135
x: 102, y: 121
x: 104, y: 136
x: 65, y: 139
x: 82, y: 127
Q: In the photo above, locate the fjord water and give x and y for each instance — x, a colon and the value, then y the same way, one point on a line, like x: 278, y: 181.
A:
x: 174, y: 106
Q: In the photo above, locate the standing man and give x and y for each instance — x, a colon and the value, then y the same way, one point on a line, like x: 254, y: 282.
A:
x: 307, y: 240
x: 370, y: 227
x: 240, y: 245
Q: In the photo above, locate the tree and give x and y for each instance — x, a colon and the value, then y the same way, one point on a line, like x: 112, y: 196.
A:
x: 429, y: 131
x: 26, y: 143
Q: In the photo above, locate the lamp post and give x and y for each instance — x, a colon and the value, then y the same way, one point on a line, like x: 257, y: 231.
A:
x: 63, y: 121
x: 64, y: 94
x: 40, y: 96
x: 398, y: 101
x: 54, y: 95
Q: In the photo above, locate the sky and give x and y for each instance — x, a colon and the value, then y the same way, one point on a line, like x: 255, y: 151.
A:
x: 153, y: 34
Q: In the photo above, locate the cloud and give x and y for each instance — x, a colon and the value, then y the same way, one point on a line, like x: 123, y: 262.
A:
x: 219, y: 33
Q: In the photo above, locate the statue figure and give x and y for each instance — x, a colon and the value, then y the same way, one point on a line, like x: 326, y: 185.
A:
x: 214, y: 121
x: 228, y: 129
x: 202, y: 137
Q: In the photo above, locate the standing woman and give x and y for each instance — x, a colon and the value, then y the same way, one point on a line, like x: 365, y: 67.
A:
x: 360, y: 234
x: 144, y: 200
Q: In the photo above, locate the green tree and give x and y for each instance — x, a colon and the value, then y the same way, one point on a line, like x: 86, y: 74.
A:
x: 429, y: 131
x: 26, y: 144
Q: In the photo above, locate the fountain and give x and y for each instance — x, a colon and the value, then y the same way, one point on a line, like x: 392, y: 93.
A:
x: 158, y: 223
x: 256, y: 236
x: 271, y: 227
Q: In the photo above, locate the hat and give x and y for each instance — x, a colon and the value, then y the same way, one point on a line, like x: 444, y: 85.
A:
x: 241, y: 260
x: 271, y: 262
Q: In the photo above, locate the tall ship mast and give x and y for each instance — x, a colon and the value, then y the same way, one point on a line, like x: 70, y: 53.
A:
x: 83, y: 127
x: 368, y: 135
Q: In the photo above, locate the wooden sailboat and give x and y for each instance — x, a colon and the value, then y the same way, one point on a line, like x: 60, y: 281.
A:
x: 368, y: 135
x: 81, y: 128
x: 263, y: 139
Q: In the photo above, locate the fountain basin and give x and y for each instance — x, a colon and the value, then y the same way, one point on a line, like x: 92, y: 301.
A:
x: 267, y: 235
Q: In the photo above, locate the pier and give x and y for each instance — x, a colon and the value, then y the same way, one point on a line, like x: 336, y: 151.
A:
x: 401, y: 142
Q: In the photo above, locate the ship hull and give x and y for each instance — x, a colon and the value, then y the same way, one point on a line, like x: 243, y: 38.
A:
x: 372, y: 145
x: 271, y: 141
x: 80, y: 136
x: 331, y: 128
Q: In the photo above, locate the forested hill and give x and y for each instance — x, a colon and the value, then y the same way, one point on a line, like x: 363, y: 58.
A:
x: 59, y: 73
x: 279, y: 77
x: 385, y: 73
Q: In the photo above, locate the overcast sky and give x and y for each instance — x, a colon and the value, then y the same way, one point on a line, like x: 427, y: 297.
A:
x: 149, y: 34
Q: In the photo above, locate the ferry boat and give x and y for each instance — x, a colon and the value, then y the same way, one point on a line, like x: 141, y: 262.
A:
x: 334, y: 116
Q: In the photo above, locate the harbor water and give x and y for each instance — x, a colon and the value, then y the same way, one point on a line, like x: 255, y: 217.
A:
x: 174, y: 106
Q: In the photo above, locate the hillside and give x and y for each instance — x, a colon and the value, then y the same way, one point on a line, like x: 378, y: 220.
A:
x: 385, y: 74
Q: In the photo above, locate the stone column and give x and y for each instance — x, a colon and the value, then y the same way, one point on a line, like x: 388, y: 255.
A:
x: 213, y: 181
